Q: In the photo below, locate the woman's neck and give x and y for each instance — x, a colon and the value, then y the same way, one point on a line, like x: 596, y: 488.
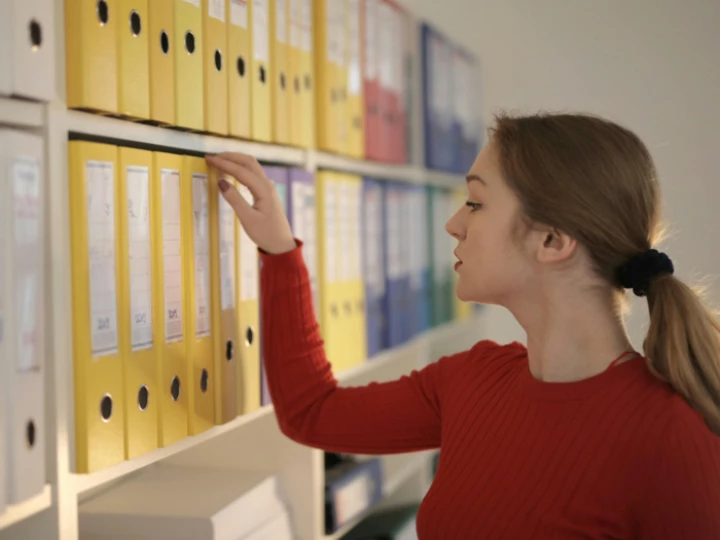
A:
x: 571, y: 335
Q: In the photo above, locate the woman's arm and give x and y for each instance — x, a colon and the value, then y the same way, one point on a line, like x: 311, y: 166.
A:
x: 398, y: 416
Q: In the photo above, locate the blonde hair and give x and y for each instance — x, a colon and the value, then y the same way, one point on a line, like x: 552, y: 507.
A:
x: 597, y: 182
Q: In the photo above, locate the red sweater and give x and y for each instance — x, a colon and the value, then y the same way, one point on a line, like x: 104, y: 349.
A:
x: 615, y: 456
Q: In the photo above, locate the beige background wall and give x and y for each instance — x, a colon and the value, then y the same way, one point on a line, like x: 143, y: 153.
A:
x: 653, y: 65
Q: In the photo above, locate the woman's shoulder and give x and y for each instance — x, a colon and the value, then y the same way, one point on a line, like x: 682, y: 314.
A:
x: 485, y: 355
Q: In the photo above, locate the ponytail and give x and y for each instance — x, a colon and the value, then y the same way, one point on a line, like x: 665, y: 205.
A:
x: 683, y: 345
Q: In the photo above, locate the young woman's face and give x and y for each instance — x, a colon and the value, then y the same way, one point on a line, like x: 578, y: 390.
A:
x: 494, y: 262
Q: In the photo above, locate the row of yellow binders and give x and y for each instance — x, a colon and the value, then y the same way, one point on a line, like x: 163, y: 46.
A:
x: 166, y: 332
x: 243, y: 68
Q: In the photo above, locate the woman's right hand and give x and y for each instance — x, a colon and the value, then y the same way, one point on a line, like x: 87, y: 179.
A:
x: 264, y: 221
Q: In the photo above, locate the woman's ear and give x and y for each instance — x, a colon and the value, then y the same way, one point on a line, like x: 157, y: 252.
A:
x: 556, y: 247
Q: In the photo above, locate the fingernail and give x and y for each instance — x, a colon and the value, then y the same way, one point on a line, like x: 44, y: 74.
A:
x: 224, y: 185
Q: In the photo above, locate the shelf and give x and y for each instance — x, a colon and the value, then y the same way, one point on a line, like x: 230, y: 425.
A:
x: 124, y: 131
x: 443, y: 179
x: 18, y: 512
x: 391, y: 484
x: 381, y: 171
x: 21, y: 113
x: 88, y: 482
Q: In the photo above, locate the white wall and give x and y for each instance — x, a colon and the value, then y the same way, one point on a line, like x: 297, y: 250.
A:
x: 652, y: 65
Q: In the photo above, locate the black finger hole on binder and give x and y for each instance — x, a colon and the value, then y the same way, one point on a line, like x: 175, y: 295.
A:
x: 348, y: 308
x: 262, y: 74
x: 241, y: 66
x: 106, y: 407
x: 135, y: 23
x: 204, y: 380
x: 334, y: 310
x: 35, y: 35
x: 333, y: 96
x: 218, y: 60
x: 30, y: 433
x: 282, y: 81
x: 229, y: 350
x: 308, y: 82
x: 143, y: 397
x: 189, y: 42
x: 164, y: 42
x: 175, y: 388
x: 296, y: 85
x: 249, y: 336
x: 357, y: 122
x: 103, y: 12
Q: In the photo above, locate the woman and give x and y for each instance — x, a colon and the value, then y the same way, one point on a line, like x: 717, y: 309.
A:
x: 575, y: 435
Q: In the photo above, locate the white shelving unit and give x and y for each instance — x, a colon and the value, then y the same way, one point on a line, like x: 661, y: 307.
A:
x: 252, y: 441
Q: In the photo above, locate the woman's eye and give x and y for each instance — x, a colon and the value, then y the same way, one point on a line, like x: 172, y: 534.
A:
x: 473, y: 206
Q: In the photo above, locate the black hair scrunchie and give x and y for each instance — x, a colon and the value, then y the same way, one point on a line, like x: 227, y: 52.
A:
x: 638, y: 272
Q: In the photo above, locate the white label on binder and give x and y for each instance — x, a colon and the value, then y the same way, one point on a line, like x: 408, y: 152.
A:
x: 339, y: 31
x: 26, y: 180
x: 384, y: 45
x: 201, y: 243
x: 310, y: 237
x: 343, y: 213
x: 331, y: 6
x: 330, y: 233
x: 138, y: 193
x: 295, y: 23
x: 437, y: 97
x: 281, y: 21
x: 394, y: 217
x: 249, y: 286
x: 306, y: 22
x: 297, y: 194
x: 195, y: 3
x: 238, y: 13
x: 261, y: 35
x: 172, y: 255
x: 27, y: 225
x: 398, y: 53
x: 26, y: 316
x: 101, y: 250
x: 371, y: 47
x: 226, y: 216
x: 355, y: 67
x: 216, y: 9
x: 357, y: 272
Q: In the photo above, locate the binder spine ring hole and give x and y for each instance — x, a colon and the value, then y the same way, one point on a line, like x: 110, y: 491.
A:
x: 106, y: 407
x: 175, y: 388
x: 35, y: 35
x: 143, y: 397
x: 103, y: 12
x: 30, y: 433
x: 135, y: 23
x: 229, y: 351
x: 249, y: 336
x: 262, y: 74
x: 282, y: 81
x: 204, y: 380
x: 164, y: 42
x: 241, y: 66
x: 189, y: 42
x: 296, y: 84
x: 308, y: 82
x: 218, y: 60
